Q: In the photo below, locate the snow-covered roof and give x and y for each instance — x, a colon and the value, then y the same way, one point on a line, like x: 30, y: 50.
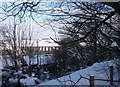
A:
x: 33, y: 43
x: 41, y: 43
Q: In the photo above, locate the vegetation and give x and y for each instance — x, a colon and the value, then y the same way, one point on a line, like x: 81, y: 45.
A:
x: 91, y: 32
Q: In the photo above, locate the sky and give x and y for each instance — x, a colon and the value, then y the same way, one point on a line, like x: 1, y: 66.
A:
x: 44, y: 30
x: 39, y: 32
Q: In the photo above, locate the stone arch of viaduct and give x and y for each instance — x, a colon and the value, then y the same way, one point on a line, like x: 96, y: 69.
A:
x: 48, y: 48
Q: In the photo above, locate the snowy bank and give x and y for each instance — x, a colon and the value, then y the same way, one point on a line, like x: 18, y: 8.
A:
x: 99, y: 70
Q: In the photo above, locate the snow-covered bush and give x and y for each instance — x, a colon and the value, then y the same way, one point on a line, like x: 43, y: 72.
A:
x: 29, y: 81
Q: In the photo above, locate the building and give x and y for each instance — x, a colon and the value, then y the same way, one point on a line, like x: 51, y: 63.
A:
x: 44, y: 45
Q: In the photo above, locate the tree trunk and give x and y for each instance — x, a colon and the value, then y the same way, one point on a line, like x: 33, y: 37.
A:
x: 15, y: 62
x: 24, y: 63
x: 118, y: 67
x: 15, y: 65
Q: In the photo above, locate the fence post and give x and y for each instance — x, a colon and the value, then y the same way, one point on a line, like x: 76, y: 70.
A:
x: 91, y: 80
x: 118, y: 67
x: 111, y: 75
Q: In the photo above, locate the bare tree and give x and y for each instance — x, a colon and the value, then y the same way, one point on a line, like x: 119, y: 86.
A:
x: 17, y: 42
x: 89, y: 22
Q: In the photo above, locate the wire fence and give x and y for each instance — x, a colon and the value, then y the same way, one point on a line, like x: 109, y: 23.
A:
x: 92, y: 80
x: 111, y: 80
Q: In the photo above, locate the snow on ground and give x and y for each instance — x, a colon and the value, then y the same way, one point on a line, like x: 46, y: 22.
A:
x: 29, y: 81
x: 6, y: 62
x: 1, y: 67
x: 99, y: 70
